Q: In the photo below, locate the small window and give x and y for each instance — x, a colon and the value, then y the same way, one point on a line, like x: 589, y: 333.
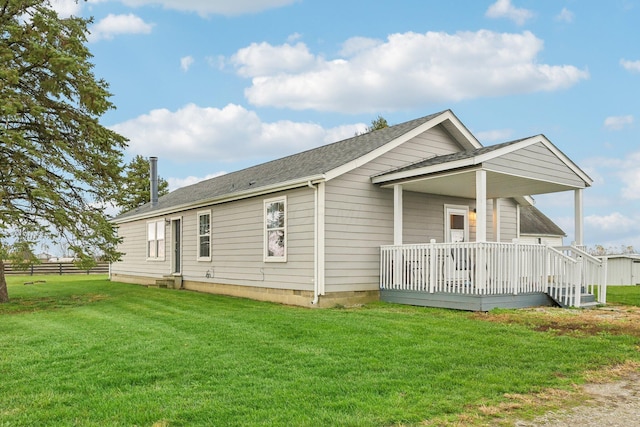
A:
x: 155, y: 240
x: 275, y: 246
x: 204, y: 236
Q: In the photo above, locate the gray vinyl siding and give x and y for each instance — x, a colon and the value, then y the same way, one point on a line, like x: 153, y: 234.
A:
x: 237, y: 245
x: 536, y: 161
x: 134, y: 247
x: 359, y: 215
x: 424, y: 218
x: 508, y: 220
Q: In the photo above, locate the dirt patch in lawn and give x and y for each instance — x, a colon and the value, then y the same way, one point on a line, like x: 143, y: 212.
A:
x: 610, y: 403
x: 612, y: 319
x: 28, y: 305
x: 611, y: 396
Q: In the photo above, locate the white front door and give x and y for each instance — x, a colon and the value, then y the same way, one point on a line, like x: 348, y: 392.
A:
x: 456, y: 230
x: 456, y: 224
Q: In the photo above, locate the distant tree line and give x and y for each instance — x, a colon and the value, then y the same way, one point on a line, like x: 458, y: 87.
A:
x: 600, y: 250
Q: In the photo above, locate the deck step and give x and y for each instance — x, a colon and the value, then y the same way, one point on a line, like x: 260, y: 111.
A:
x: 586, y: 301
x: 587, y: 305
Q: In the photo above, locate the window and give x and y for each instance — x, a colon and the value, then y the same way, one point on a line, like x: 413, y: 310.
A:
x: 204, y: 236
x: 155, y: 240
x: 275, y: 246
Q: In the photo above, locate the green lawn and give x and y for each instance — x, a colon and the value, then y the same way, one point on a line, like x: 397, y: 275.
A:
x: 84, y: 351
x: 628, y: 295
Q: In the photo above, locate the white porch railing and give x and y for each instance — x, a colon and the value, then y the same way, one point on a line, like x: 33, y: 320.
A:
x: 594, y: 271
x: 487, y: 268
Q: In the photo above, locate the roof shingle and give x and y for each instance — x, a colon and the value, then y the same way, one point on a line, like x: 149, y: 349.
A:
x: 308, y: 163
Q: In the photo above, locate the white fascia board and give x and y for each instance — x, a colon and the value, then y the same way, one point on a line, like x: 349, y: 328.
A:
x: 470, y: 140
x: 420, y: 178
x: 525, y: 200
x: 260, y: 191
x: 446, y: 115
x: 428, y: 170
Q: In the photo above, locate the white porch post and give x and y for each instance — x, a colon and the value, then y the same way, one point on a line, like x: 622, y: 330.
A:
x: 496, y: 219
x: 397, y: 214
x: 481, y: 206
x: 579, y: 217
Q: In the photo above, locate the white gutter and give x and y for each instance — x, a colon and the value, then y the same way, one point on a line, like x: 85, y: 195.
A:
x: 318, y: 239
x: 223, y: 199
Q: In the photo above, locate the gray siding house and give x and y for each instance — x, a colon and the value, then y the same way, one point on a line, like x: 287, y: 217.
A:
x: 379, y: 215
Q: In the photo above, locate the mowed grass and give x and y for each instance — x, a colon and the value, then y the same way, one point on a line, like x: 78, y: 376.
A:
x: 628, y: 295
x: 84, y: 351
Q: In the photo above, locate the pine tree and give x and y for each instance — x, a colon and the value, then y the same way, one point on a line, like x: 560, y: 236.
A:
x: 58, y: 166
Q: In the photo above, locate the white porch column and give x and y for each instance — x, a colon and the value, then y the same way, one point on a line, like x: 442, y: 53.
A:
x: 496, y: 219
x: 579, y: 217
x: 481, y: 206
x: 397, y: 214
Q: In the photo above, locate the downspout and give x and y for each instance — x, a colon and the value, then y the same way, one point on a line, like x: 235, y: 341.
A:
x: 316, y: 291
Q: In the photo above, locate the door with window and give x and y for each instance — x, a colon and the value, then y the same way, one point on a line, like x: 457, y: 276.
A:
x: 456, y: 231
x: 456, y: 224
x: 176, y: 231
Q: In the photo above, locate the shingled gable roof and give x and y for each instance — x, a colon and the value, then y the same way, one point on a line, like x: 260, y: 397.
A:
x: 448, y: 158
x: 474, y: 157
x: 313, y: 165
x: 534, y: 222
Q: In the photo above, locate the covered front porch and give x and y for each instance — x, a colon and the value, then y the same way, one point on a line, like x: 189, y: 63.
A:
x: 480, y: 276
x: 463, y: 269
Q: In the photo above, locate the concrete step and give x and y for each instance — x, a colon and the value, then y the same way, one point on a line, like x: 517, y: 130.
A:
x: 164, y: 283
x: 588, y: 305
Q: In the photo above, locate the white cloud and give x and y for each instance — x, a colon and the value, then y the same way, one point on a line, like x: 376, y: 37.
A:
x: 631, y: 180
x: 565, y: 15
x: 618, y: 122
x: 613, y: 222
x: 613, y: 230
x: 626, y: 170
x: 113, y: 25
x: 504, y: 9
x: 294, y: 37
x: 66, y: 8
x: 186, y: 62
x: 229, y: 134
x: 357, y: 45
x: 408, y: 70
x: 214, y: 7
x: 262, y: 59
x: 494, y: 135
x: 633, y: 66
x: 175, y: 183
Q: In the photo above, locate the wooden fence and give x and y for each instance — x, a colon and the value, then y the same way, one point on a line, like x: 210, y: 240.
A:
x: 58, y: 268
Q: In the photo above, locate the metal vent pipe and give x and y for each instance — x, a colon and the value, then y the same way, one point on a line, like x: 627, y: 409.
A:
x: 153, y: 169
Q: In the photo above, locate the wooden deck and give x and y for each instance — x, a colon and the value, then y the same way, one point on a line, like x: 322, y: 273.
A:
x: 468, y: 302
x: 486, y: 275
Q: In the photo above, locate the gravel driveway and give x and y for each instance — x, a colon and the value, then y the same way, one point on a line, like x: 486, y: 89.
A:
x: 610, y: 404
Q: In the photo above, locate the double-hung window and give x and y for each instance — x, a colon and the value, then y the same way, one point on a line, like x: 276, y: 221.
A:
x: 155, y: 240
x: 275, y: 225
x: 204, y: 236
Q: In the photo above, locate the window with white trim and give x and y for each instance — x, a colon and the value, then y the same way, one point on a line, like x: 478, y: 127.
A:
x: 275, y: 225
x: 204, y: 236
x: 155, y: 240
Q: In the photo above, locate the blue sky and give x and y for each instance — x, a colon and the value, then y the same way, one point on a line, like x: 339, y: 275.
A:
x: 213, y: 86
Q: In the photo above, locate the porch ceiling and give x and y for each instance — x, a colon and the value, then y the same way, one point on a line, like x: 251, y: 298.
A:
x: 462, y: 183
